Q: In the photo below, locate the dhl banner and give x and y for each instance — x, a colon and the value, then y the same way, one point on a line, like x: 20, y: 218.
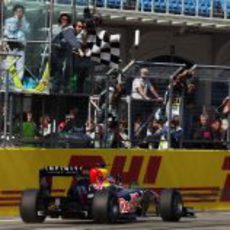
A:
x: 202, y: 176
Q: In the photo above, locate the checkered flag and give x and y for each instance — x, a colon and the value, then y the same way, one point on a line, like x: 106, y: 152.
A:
x: 104, y: 48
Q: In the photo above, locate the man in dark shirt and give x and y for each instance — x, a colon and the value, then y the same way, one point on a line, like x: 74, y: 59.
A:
x: 73, y: 122
x: 203, y: 133
x: 63, y: 46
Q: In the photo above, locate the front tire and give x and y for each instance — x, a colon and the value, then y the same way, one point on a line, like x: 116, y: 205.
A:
x: 32, y: 209
x: 105, y: 207
x: 171, y: 205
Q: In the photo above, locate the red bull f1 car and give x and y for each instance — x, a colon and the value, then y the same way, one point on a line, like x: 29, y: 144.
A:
x: 95, y: 195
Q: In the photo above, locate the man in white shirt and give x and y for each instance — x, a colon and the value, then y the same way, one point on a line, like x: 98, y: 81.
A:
x: 141, y: 86
x: 16, y: 31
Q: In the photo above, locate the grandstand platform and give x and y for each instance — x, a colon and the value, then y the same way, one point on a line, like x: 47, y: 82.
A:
x: 182, y: 32
x: 211, y: 14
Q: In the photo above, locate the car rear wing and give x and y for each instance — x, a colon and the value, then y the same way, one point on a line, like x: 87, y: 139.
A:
x: 60, y: 171
x: 46, y: 174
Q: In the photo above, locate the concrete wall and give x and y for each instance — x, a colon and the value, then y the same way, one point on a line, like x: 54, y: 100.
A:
x: 201, y: 48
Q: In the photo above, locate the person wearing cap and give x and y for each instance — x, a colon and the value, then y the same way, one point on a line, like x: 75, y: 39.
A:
x: 142, y: 86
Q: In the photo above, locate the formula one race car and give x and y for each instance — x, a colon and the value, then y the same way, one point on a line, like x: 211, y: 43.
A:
x: 95, y: 195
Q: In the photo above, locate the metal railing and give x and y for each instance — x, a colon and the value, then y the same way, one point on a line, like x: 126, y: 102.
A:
x: 190, y: 8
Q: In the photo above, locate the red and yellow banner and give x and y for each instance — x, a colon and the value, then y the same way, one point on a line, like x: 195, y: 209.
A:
x: 202, y: 176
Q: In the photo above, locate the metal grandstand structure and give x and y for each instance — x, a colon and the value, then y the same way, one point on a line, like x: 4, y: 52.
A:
x: 185, y: 13
x: 211, y: 14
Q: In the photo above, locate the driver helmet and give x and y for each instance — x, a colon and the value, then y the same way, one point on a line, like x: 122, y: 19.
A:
x: 99, y: 176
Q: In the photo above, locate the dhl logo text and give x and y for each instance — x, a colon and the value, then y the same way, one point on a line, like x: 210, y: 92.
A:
x: 118, y: 167
x: 148, y: 172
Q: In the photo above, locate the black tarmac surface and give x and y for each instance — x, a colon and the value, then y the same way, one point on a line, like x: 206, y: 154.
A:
x: 202, y: 221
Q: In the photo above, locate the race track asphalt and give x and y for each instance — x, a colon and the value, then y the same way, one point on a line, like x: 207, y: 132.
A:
x: 203, y: 221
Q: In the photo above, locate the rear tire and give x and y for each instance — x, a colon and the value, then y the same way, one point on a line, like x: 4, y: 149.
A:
x: 105, y: 207
x: 171, y: 205
x: 32, y: 208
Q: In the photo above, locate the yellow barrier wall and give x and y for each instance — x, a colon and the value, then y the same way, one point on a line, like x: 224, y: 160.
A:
x: 203, y: 177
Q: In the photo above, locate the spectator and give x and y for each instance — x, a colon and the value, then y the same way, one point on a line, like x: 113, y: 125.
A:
x: 176, y: 132
x: 81, y: 35
x: 16, y: 31
x: 142, y: 92
x: 226, y: 107
x: 45, y: 126
x: 123, y: 133
x: 156, y: 132
x: 99, y: 135
x: 29, y: 129
x: 112, y: 137
x: 64, y: 43
x: 61, y: 125
x: 141, y: 87
x: 224, y: 114
x: 116, y: 92
x: 203, y: 133
x: 137, y: 125
x: 90, y: 129
x: 224, y: 129
x: 72, y: 121
x: 184, y: 87
x: 217, y: 134
x: 81, y: 62
x: 185, y: 82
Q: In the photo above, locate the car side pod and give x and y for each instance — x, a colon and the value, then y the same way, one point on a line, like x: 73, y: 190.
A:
x: 105, y: 207
x: 32, y: 209
x: 171, y: 205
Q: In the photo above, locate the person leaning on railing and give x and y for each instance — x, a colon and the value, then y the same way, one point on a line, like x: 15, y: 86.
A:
x: 80, y: 61
x: 64, y: 44
x: 142, y: 86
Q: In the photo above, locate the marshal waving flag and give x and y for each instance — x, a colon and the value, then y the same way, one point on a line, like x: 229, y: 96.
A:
x: 104, y: 48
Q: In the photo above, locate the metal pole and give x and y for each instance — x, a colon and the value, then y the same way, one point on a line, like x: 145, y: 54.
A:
x: 211, y: 9
x: 107, y: 105
x: 106, y: 111
x: 50, y: 34
x: 90, y: 109
x: 228, y: 130
x: 129, y: 101
x: 170, y: 104
x: 73, y: 4
x: 21, y: 114
x: 6, y: 98
x: 2, y: 18
x: 11, y: 101
x: 170, y: 111
x: 43, y: 114
x: 181, y: 116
